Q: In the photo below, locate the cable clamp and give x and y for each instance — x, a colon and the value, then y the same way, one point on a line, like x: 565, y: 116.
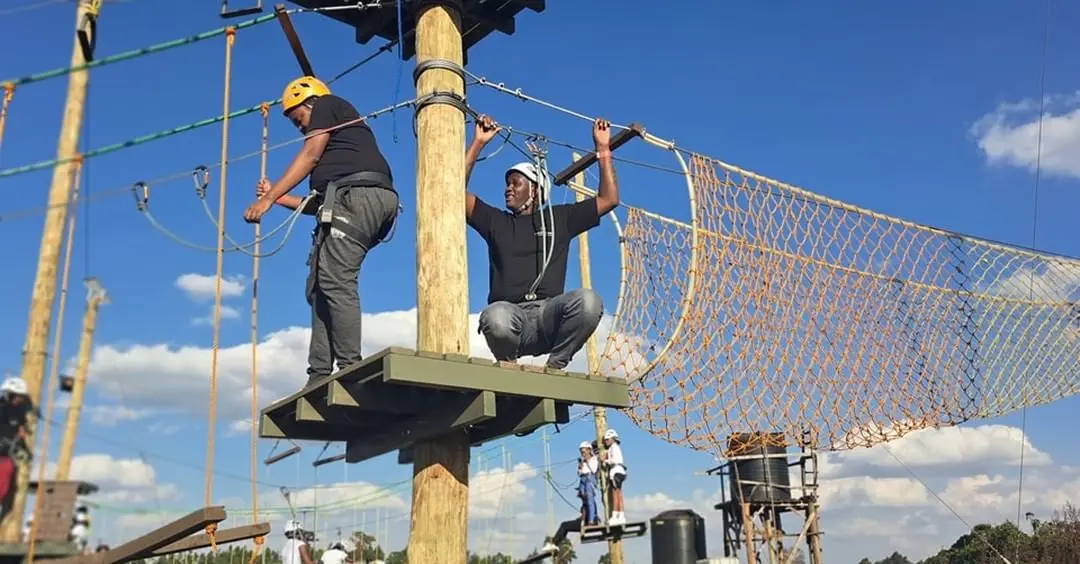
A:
x: 141, y: 191
x: 440, y: 64
x: 201, y: 177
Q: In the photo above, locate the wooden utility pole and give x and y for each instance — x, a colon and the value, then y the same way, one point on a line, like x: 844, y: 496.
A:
x: 41, y: 299
x: 440, y: 497
x: 95, y: 298
x: 593, y: 355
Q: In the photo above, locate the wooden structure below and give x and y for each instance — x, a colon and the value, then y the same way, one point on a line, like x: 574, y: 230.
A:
x: 178, y: 536
x: 398, y: 397
x: 478, y: 19
x: 12, y: 552
x: 57, y: 508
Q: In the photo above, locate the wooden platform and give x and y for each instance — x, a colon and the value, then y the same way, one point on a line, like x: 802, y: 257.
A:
x: 398, y: 397
x: 16, y: 551
x: 479, y: 19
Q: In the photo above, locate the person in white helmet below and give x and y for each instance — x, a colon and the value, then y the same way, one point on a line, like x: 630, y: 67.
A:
x: 612, y: 458
x: 528, y: 311
x: 338, y: 553
x: 15, y: 409
x: 352, y: 186
x: 295, y: 550
x: 80, y: 528
x: 588, y: 466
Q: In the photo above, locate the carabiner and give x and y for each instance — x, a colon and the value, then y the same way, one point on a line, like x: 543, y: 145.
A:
x: 141, y: 198
x: 201, y: 177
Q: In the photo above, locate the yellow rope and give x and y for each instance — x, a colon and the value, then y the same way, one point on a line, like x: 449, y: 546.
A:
x: 265, y: 111
x: 230, y: 38
x: 9, y: 92
x: 52, y: 382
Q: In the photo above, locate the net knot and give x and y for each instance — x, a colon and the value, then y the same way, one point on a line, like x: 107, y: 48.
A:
x: 211, y: 533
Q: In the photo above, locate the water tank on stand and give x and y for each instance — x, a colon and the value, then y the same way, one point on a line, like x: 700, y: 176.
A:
x: 759, y: 473
x: 678, y: 537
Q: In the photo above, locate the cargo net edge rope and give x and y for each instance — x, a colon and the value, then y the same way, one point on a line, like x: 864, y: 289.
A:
x: 776, y: 310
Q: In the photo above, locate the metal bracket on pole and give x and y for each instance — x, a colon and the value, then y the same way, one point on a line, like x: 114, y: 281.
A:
x: 226, y: 13
x: 87, y: 32
x: 294, y: 39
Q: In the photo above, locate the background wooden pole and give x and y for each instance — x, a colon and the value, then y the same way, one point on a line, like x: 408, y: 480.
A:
x: 593, y: 355
x: 440, y: 497
x: 96, y: 296
x: 41, y: 299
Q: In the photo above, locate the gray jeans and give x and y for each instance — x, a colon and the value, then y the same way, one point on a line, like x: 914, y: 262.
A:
x: 559, y: 326
x: 332, y: 287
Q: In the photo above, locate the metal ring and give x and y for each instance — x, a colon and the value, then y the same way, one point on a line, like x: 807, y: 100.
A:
x: 441, y: 64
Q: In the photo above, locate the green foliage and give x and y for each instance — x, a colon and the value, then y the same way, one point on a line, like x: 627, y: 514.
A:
x: 605, y: 558
x: 1056, y: 541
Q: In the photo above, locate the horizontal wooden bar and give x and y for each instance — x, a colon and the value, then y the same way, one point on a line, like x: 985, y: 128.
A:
x: 589, y: 159
x: 420, y: 370
x: 222, y: 536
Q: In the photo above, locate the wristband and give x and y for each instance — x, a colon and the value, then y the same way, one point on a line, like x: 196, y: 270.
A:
x: 604, y: 153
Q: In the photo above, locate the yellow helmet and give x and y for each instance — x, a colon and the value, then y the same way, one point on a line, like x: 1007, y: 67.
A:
x: 299, y: 90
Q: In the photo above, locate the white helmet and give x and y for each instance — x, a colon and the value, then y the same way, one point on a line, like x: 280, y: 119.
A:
x: 611, y: 434
x: 292, y: 525
x: 528, y: 170
x: 14, y: 385
x: 585, y: 444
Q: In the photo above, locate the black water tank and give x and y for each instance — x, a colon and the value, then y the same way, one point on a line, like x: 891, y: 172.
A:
x: 759, y: 472
x: 678, y: 537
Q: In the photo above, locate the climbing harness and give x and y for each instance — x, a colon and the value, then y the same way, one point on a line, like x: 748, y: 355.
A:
x: 538, y: 149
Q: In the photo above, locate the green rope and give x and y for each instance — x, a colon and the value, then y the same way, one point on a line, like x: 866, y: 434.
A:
x: 134, y: 53
x: 13, y: 171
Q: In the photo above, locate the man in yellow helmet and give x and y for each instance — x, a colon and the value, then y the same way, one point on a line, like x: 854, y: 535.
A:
x: 353, y: 192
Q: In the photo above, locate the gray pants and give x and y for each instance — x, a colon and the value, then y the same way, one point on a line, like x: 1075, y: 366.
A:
x: 334, y: 265
x: 559, y: 326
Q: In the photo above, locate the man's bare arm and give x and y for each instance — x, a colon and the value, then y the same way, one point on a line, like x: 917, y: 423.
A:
x: 607, y: 195
x: 301, y: 166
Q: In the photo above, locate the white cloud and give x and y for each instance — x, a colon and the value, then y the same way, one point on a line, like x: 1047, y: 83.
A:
x: 181, y: 372
x: 227, y: 313
x: 200, y: 287
x: 1009, y: 135
x: 494, y: 492
x: 121, y: 481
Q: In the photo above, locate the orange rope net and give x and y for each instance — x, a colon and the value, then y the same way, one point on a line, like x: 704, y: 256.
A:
x: 778, y: 310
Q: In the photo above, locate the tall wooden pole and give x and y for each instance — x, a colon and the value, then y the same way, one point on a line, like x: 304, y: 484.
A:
x: 95, y: 298
x: 41, y: 299
x: 593, y: 355
x: 440, y: 497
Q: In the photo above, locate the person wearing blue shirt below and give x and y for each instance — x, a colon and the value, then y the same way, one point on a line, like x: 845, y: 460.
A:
x: 528, y: 311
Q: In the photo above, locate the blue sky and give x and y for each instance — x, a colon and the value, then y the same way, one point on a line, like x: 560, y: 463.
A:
x: 872, y: 104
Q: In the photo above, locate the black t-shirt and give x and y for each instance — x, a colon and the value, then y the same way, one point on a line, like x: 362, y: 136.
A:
x: 12, y: 417
x: 351, y: 149
x: 515, y: 247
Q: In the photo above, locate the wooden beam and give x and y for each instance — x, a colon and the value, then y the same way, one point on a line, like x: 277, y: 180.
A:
x: 145, y: 545
x: 434, y: 372
x: 35, y: 346
x: 294, y: 41
x: 440, y: 496
x: 589, y: 159
x: 226, y: 13
x: 222, y: 536
x: 467, y: 409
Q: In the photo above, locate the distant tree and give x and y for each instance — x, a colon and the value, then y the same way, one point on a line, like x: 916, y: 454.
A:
x: 895, y: 558
x: 799, y: 558
x: 498, y: 558
x: 865, y: 561
x: 605, y: 558
x: 398, y: 557
x: 367, y: 548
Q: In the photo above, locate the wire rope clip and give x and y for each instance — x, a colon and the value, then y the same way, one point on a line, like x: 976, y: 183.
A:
x: 201, y: 177
x: 87, y: 31
x: 142, y: 195
x: 226, y: 13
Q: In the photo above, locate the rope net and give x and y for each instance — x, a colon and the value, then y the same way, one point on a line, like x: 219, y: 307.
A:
x: 786, y: 312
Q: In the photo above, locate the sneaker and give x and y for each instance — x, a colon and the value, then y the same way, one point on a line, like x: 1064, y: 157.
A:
x: 617, y: 519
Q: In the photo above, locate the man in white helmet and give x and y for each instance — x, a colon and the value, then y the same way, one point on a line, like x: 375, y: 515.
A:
x: 338, y: 553
x: 295, y: 551
x: 588, y: 466
x: 616, y: 468
x: 15, y: 409
x: 528, y: 312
